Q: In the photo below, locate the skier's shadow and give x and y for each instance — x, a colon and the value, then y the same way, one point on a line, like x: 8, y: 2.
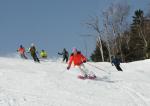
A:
x: 105, y: 79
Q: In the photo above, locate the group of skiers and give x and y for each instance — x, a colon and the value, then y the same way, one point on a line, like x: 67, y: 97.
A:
x: 33, y: 52
x: 77, y: 58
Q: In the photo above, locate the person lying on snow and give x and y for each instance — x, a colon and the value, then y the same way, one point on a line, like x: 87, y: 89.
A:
x: 78, y: 59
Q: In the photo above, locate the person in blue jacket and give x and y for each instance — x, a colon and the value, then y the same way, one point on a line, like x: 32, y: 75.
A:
x: 115, y: 61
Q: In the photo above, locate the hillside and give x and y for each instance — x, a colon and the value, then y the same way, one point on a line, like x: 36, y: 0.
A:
x: 25, y: 83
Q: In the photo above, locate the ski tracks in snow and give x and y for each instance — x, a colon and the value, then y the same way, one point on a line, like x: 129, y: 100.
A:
x: 11, y: 97
x: 137, y: 97
x: 6, y: 99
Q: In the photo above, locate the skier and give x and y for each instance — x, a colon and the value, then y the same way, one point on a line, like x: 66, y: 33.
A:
x: 65, y: 55
x: 78, y: 59
x: 21, y: 51
x: 43, y: 54
x: 115, y: 61
x: 33, y: 51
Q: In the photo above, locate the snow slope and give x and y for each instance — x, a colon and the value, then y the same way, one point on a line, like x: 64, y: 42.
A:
x: 25, y: 83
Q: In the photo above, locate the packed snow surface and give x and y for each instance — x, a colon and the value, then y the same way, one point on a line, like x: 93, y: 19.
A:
x: 49, y: 83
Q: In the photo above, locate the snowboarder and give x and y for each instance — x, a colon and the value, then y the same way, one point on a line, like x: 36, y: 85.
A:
x: 33, y: 51
x: 43, y: 54
x: 115, y: 61
x: 65, y: 55
x: 21, y: 51
x: 78, y: 59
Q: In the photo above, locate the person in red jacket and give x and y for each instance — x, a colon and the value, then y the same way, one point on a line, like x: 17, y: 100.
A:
x: 78, y: 59
x: 21, y: 51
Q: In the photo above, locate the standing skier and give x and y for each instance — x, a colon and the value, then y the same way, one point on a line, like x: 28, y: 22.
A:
x: 115, y: 61
x: 78, y: 59
x: 33, y: 51
x: 65, y: 55
x: 21, y: 51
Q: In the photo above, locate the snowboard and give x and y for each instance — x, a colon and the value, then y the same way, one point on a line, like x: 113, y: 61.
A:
x: 88, y: 77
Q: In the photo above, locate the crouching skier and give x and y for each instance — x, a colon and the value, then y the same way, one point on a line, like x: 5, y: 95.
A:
x: 43, y: 54
x: 78, y: 59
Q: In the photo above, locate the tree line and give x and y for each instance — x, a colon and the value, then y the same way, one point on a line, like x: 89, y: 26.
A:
x: 130, y: 41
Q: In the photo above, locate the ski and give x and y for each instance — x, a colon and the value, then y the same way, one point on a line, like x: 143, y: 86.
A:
x: 88, y: 77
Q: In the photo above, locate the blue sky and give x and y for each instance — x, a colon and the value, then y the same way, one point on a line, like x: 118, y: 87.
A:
x: 51, y: 24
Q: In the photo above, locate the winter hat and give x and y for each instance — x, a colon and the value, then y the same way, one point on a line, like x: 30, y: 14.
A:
x: 74, y: 50
x: 21, y: 46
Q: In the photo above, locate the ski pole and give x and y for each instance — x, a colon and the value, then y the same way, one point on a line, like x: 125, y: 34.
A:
x: 97, y: 68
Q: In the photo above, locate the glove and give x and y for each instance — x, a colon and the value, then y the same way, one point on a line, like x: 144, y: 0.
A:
x: 68, y: 67
x: 84, y: 61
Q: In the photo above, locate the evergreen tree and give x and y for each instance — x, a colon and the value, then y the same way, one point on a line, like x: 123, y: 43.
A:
x: 96, y: 55
x: 136, y: 42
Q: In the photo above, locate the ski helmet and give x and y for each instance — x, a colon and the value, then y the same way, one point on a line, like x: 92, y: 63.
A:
x: 74, y: 50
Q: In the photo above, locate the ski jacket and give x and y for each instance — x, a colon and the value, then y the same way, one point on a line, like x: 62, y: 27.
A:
x: 21, y: 50
x: 64, y: 53
x: 43, y: 54
x: 115, y: 61
x: 32, y: 50
x: 77, y: 59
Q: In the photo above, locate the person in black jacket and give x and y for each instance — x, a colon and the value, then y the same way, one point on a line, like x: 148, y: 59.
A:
x: 65, y: 55
x: 33, y: 51
x: 115, y: 61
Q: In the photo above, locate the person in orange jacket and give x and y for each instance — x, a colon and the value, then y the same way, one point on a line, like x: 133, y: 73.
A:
x: 78, y: 59
x: 21, y: 51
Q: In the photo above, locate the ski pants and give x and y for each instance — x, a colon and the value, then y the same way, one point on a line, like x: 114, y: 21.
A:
x: 118, y: 67
x: 23, y: 56
x: 65, y: 58
x: 35, y: 58
x: 83, y: 70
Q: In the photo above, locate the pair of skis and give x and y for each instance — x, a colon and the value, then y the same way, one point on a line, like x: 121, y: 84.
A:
x: 87, y: 77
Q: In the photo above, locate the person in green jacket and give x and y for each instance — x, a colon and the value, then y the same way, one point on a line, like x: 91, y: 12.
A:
x: 43, y: 54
